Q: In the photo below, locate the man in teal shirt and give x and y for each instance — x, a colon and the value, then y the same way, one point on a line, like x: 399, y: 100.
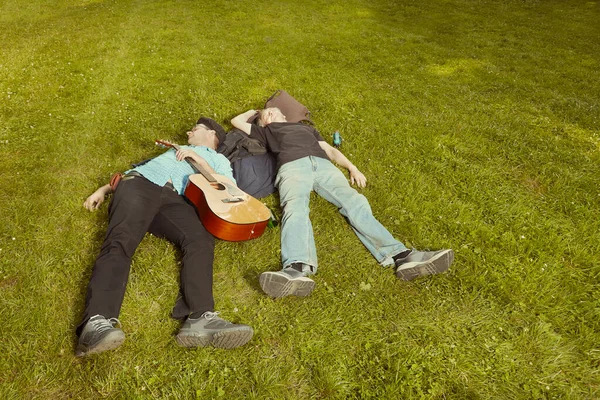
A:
x: 149, y: 199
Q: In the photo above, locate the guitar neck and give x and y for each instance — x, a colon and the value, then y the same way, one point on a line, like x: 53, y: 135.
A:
x: 197, y: 167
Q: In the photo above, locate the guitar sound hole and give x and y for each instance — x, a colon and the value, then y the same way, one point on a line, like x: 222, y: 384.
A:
x: 218, y: 186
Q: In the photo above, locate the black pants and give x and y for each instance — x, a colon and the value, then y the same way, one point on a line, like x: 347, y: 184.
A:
x: 139, y: 206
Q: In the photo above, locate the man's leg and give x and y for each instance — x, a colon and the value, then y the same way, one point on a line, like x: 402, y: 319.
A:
x: 333, y: 186
x: 295, y: 183
x: 178, y: 222
x: 298, y: 252
x: 130, y: 213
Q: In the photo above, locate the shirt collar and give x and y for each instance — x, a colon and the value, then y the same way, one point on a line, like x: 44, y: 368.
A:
x: 193, y: 146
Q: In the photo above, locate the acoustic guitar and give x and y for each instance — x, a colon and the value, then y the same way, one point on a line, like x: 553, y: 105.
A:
x: 227, y: 212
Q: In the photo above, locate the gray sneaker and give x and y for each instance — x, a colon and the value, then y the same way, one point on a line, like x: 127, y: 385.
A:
x: 212, y: 329
x: 288, y: 282
x: 421, y: 263
x: 99, y: 334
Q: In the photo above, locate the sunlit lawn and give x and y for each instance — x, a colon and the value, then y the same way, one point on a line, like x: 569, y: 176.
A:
x: 477, y: 124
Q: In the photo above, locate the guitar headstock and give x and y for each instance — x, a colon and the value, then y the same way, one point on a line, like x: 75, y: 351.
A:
x: 164, y: 143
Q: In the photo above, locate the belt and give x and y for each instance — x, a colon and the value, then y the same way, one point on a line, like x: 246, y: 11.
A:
x: 135, y: 174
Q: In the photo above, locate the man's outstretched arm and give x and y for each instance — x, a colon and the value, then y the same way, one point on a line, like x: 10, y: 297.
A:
x: 356, y: 177
x: 93, y: 202
x: 241, y: 121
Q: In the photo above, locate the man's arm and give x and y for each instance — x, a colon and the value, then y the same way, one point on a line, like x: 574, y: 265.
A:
x: 356, y: 177
x: 241, y: 121
x: 93, y: 202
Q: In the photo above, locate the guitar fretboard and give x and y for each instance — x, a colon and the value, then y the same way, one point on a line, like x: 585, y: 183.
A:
x: 197, y: 167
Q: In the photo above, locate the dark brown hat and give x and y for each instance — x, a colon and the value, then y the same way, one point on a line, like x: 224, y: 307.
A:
x: 213, y: 125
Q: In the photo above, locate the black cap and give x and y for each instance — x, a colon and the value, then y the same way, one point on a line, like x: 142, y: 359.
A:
x: 213, y: 125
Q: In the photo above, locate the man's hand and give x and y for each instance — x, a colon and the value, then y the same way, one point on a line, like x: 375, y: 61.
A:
x: 182, y: 154
x: 97, y: 198
x: 357, y: 178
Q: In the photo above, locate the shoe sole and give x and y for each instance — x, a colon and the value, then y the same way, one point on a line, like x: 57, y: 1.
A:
x: 227, y: 339
x: 232, y: 339
x: 110, y: 342
x: 438, y: 264
x: 278, y: 285
x: 193, y: 340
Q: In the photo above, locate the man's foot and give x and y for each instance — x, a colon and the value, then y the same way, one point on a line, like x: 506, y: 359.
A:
x: 288, y: 282
x: 99, y: 334
x: 212, y: 329
x: 421, y: 263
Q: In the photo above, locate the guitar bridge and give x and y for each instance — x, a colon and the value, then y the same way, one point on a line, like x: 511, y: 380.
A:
x: 233, y: 200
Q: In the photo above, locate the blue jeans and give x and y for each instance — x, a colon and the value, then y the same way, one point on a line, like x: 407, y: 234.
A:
x: 295, y: 181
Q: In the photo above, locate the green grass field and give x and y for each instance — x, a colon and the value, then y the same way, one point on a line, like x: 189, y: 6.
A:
x: 477, y: 124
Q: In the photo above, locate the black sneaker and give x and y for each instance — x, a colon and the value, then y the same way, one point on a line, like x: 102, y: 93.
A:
x: 421, y: 263
x: 287, y: 282
x: 99, y: 334
x: 212, y: 329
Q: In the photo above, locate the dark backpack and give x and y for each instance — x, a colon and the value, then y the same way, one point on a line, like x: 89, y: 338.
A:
x: 254, y: 169
x: 239, y: 145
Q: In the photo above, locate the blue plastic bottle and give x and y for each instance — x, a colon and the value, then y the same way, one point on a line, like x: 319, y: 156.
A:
x: 337, y: 139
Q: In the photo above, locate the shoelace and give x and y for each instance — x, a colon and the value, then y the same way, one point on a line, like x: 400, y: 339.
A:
x: 102, y: 325
x: 209, y: 315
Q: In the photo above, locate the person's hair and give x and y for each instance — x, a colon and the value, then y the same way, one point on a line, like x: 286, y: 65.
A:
x: 260, y: 120
x: 262, y: 115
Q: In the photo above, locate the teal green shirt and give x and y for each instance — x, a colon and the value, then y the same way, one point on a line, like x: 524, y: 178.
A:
x: 165, y: 167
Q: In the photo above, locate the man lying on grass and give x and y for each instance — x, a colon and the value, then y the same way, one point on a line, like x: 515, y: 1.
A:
x: 149, y: 199
x: 303, y: 165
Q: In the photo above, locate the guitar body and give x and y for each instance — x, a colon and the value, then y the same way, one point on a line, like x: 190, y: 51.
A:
x: 225, y: 211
